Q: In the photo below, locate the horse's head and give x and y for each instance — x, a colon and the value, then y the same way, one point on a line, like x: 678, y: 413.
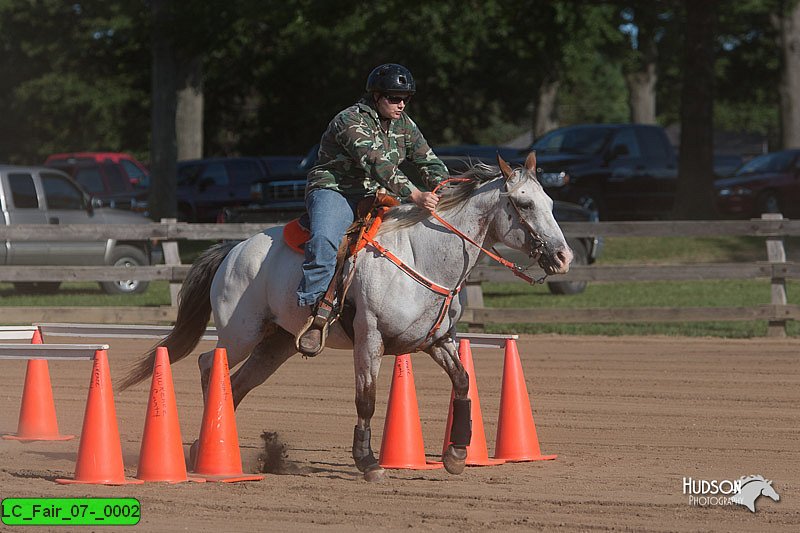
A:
x: 525, y: 221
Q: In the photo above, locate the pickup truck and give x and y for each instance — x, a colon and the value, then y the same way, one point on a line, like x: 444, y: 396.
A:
x: 118, y: 179
x: 207, y: 186
x: 40, y: 195
x: 619, y: 171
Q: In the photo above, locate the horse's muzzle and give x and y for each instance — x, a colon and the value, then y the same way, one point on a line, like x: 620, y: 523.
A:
x: 556, y: 261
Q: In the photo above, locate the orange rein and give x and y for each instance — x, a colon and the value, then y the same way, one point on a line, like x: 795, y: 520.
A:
x: 515, y: 268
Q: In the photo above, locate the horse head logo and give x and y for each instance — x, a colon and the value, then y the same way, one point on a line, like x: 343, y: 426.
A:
x: 752, y: 488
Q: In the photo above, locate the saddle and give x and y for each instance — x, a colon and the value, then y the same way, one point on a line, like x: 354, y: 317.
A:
x: 369, y: 215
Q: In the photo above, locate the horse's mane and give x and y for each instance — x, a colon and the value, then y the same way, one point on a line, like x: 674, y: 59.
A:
x: 452, y: 195
x: 747, y: 479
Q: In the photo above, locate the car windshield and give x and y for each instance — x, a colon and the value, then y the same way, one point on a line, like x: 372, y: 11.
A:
x: 777, y: 162
x: 584, y: 141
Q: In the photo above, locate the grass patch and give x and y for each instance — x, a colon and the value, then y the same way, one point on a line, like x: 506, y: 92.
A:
x: 654, y: 250
x: 717, y: 293
x: 190, y: 250
x: 86, y: 294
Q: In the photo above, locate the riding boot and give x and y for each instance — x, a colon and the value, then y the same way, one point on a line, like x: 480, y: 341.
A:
x: 311, y: 338
x: 310, y: 342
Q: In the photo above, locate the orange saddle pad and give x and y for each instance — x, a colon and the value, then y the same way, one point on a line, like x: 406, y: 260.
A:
x: 296, y: 235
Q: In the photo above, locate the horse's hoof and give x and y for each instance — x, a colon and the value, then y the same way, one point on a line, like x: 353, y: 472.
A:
x: 454, y: 459
x: 193, y: 454
x: 375, y: 476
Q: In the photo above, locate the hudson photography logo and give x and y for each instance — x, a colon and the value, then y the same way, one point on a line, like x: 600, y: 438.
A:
x: 743, y: 491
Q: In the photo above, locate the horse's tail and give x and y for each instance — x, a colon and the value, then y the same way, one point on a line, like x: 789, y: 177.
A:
x: 194, y: 310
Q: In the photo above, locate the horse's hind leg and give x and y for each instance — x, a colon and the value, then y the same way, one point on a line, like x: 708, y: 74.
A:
x: 267, y: 357
x: 238, y: 344
x: 446, y: 354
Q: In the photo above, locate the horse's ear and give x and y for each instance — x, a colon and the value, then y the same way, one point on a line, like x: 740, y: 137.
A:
x: 504, y: 168
x: 530, y: 161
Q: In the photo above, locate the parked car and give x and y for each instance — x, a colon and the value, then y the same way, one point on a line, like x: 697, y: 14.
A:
x: 768, y: 183
x: 725, y: 165
x: 621, y: 171
x: 43, y: 195
x: 118, y: 179
x: 280, y: 199
x: 207, y: 186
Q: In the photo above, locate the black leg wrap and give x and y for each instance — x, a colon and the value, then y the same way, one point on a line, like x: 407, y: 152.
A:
x: 362, y: 451
x: 461, y: 430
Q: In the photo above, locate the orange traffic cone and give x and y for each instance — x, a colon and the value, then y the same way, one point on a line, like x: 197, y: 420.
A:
x: 161, y: 454
x: 218, y: 456
x: 37, y: 415
x: 402, y: 445
x: 477, y: 452
x: 100, y: 451
x: 516, y: 432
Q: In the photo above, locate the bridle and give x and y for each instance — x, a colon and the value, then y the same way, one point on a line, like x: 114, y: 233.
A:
x: 539, y: 243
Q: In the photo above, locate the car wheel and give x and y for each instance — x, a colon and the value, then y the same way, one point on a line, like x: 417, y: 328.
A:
x: 128, y: 256
x: 768, y: 202
x: 37, y: 287
x: 580, y: 257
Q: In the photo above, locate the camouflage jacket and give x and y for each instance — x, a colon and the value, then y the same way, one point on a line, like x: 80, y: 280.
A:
x: 356, y: 157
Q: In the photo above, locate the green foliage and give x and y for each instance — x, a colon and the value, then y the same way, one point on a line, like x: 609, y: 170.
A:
x: 76, y: 76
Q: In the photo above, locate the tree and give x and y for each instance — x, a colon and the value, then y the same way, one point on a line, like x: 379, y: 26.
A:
x: 645, y: 24
x: 790, y: 74
x: 163, y: 149
x: 694, y: 198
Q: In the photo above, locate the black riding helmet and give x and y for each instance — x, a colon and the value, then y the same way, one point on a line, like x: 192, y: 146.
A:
x: 391, y: 78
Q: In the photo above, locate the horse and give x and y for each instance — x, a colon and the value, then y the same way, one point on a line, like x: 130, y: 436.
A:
x: 250, y: 288
x: 752, y: 488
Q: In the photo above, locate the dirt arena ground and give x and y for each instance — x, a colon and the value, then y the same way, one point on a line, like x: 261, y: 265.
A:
x: 628, y: 417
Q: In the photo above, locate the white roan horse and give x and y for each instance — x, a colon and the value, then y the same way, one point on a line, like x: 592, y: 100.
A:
x: 251, y: 289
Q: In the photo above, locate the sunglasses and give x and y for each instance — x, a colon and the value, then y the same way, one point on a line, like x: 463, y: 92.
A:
x: 397, y: 99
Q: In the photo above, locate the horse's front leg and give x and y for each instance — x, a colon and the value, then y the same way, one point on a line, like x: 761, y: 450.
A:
x: 446, y: 354
x: 367, y: 360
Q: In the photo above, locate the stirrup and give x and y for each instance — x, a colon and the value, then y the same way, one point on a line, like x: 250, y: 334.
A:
x: 316, y: 322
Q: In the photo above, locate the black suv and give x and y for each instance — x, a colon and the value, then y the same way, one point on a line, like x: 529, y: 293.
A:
x: 620, y: 171
x: 206, y: 186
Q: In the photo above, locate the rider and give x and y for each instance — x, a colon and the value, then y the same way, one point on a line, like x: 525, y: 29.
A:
x: 359, y: 154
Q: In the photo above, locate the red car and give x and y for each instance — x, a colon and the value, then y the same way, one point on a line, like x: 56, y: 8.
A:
x: 116, y: 178
x: 769, y: 183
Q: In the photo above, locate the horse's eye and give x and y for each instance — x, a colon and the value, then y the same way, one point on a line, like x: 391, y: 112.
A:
x: 525, y: 204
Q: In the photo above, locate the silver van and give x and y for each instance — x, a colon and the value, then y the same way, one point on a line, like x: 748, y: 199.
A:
x: 40, y: 195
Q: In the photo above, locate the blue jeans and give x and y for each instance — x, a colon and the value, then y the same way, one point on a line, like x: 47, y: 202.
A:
x: 331, y: 214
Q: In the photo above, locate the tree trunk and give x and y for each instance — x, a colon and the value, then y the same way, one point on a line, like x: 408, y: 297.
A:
x: 790, y: 77
x: 642, y: 94
x: 695, y: 193
x: 189, y: 112
x: 163, y: 150
x: 546, y: 109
